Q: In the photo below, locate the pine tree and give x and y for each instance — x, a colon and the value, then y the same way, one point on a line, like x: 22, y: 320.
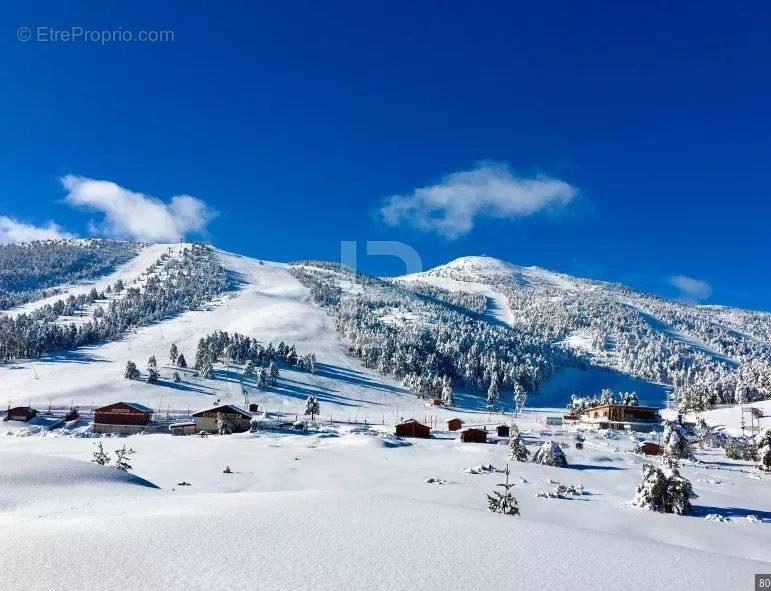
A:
x: 249, y: 368
x: 663, y: 490
x: 550, y: 454
x: 207, y: 370
x: 101, y: 457
x: 181, y: 361
x: 173, y: 353
x: 519, y: 399
x: 504, y: 502
x: 223, y: 424
x: 152, y: 376
x: 121, y: 458
x: 312, y: 407
x: 492, y: 394
x: 519, y: 451
x: 262, y: 378
x: 764, y: 451
x: 273, y: 372
x: 177, y: 379
x: 201, y: 355
x: 152, y: 363
x: 448, y: 396
x: 131, y: 373
x: 675, y: 444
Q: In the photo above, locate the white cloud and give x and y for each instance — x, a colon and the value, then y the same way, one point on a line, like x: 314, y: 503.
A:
x: 691, y: 290
x: 451, y: 207
x: 134, y: 215
x: 12, y: 230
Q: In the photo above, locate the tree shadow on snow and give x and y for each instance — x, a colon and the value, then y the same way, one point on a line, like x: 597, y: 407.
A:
x: 593, y: 467
x: 735, y: 512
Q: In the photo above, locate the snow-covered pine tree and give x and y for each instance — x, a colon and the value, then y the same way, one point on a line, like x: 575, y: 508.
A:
x: 207, y: 370
x: 152, y: 363
x: 520, y: 396
x: 674, y: 442
x: 504, y: 502
x: 223, y: 424
x: 173, y: 353
x: 764, y: 451
x: 122, y: 457
x: 312, y: 407
x: 448, y: 396
x: 132, y: 372
x: 273, y: 372
x: 152, y: 375
x: 101, y: 457
x: 262, y: 378
x: 663, y: 490
x: 249, y: 368
x: 181, y: 361
x: 492, y: 393
x: 550, y: 454
x: 201, y: 354
x: 519, y: 451
x: 176, y: 377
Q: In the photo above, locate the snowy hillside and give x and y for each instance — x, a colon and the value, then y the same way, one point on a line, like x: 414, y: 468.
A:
x: 346, y: 503
x: 713, y: 355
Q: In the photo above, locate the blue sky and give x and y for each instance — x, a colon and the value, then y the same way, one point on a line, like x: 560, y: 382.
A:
x: 623, y: 143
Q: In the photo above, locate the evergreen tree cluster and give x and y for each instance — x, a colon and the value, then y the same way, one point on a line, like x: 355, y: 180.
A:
x: 31, y: 270
x: 578, y: 405
x: 236, y: 348
x: 173, y: 285
x: 725, y: 359
x: 425, y: 341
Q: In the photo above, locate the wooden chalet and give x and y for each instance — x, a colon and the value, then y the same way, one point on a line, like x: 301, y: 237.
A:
x: 122, y: 417
x: 622, y: 416
x: 503, y: 430
x: 235, y: 417
x: 412, y: 428
x: 472, y: 435
x: 21, y: 413
x: 454, y: 424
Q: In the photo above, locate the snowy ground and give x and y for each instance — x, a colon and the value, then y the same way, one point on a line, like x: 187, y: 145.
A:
x: 334, y: 509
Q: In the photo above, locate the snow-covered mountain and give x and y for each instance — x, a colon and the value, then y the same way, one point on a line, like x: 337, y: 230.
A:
x: 469, y: 322
x: 364, y: 347
x: 714, y: 354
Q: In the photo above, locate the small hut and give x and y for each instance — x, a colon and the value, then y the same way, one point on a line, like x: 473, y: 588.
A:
x: 21, y: 413
x: 412, y: 428
x: 454, y: 424
x: 473, y: 436
x: 503, y: 430
x: 254, y: 407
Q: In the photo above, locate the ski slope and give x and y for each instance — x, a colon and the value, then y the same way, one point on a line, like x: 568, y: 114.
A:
x: 269, y: 304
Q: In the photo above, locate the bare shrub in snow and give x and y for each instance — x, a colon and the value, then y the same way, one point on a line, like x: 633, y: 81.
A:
x: 664, y: 490
x: 550, y: 454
